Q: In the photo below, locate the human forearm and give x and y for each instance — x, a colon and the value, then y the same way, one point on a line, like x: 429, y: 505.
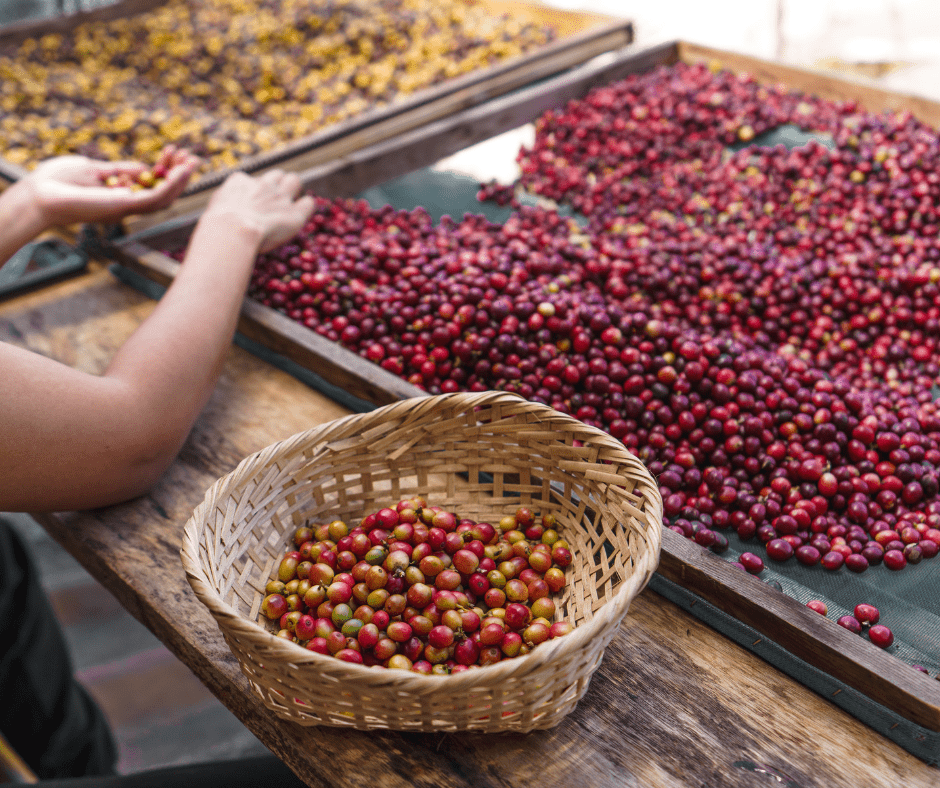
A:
x: 73, y: 440
x: 173, y: 360
x: 20, y: 218
x: 183, y: 343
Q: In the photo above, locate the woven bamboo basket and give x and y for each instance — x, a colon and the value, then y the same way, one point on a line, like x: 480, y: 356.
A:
x: 481, y: 455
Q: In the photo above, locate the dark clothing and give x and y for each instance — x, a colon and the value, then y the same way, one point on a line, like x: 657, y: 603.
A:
x: 51, y: 720
x: 264, y: 771
x: 45, y: 714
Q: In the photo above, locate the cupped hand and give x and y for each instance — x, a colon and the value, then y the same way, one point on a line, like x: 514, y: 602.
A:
x: 267, y: 204
x: 69, y: 189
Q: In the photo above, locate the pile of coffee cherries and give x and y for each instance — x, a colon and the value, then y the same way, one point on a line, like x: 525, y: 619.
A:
x: 229, y: 80
x: 417, y: 588
x: 761, y: 326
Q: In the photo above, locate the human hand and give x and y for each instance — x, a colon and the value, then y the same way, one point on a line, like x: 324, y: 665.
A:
x: 266, y: 204
x: 69, y: 189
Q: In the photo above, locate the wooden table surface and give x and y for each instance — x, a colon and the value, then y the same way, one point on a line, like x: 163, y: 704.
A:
x: 673, y: 704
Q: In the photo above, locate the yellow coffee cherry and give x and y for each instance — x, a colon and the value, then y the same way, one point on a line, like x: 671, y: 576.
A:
x: 286, y: 70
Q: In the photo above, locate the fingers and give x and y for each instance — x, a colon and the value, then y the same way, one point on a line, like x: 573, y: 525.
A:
x: 280, y: 183
x: 181, y: 169
x: 291, y: 222
x: 268, y: 202
x: 170, y: 156
x: 291, y: 183
x: 271, y: 177
x: 288, y: 213
x: 304, y: 207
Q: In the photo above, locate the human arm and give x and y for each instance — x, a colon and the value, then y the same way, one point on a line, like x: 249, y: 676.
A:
x: 70, y: 189
x: 73, y: 440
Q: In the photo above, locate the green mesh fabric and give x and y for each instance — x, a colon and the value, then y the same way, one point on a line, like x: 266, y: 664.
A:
x: 909, y: 600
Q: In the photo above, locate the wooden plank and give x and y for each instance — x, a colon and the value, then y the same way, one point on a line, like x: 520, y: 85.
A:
x: 821, y: 643
x: 673, y: 704
x: 565, y: 21
x: 804, y: 633
x: 15, y: 32
x: 341, y: 367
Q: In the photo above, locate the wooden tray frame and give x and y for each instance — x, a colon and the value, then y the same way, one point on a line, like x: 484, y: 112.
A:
x: 818, y: 641
x: 581, y: 36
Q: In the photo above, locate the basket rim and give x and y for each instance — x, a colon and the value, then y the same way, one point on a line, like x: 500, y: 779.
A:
x: 611, y: 612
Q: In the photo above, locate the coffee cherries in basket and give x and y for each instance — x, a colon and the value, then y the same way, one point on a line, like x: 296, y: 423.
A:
x: 416, y: 587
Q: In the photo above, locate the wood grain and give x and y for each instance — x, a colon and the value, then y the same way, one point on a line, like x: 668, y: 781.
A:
x: 673, y: 704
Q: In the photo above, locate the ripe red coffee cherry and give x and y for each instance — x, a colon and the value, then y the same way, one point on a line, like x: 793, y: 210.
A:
x: 779, y: 550
x: 808, y: 555
x: 894, y: 560
x: 867, y: 614
x: 274, y: 606
x: 856, y: 562
x: 881, y: 636
x: 517, y: 615
x: 440, y: 637
x: 850, y: 623
x: 751, y: 563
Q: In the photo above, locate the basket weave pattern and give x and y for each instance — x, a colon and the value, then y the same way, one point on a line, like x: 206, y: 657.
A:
x: 480, y: 455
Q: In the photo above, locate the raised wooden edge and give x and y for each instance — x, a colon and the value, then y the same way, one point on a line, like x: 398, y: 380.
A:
x: 365, y: 166
x: 15, y: 32
x: 817, y: 640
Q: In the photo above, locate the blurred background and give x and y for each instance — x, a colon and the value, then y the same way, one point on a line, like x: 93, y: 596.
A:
x: 895, y: 42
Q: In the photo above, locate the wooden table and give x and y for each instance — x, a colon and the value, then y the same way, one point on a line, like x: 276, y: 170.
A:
x: 674, y: 703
